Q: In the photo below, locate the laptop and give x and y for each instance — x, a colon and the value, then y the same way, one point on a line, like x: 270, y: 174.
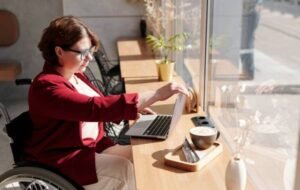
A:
x: 158, y: 126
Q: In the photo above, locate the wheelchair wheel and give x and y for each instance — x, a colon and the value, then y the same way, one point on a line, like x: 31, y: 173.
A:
x: 33, y: 178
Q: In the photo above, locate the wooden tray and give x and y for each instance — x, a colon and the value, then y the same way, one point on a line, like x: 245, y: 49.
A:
x: 176, y: 158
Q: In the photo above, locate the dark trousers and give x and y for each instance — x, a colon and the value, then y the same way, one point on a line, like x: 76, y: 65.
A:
x: 249, y: 25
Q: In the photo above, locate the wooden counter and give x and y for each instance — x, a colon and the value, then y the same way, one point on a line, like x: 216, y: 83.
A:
x: 134, y: 55
x: 148, y: 155
x: 133, y: 49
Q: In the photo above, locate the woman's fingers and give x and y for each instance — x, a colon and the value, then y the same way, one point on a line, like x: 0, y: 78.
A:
x: 147, y: 111
x: 138, y: 116
x: 171, y: 89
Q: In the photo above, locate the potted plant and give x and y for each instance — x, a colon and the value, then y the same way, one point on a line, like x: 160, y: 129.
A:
x: 166, y: 46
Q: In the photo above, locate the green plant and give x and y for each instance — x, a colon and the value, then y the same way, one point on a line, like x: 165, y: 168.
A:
x: 166, y: 46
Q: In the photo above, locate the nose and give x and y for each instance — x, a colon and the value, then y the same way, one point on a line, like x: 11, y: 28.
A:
x: 89, y: 56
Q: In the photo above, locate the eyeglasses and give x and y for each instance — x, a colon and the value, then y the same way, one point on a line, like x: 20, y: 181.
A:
x: 83, y: 53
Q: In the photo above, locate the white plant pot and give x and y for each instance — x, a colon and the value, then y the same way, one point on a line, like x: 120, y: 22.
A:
x: 236, y: 174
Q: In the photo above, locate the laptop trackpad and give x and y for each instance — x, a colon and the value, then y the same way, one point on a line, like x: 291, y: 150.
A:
x: 141, y: 125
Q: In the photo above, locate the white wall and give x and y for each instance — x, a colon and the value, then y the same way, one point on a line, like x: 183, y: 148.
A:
x: 33, y: 17
x: 109, y: 19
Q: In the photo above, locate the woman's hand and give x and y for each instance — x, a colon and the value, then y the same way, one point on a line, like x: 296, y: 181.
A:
x: 170, y: 89
x: 147, y: 111
x: 148, y: 98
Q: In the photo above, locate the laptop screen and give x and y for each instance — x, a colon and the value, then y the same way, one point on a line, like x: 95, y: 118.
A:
x: 178, y: 109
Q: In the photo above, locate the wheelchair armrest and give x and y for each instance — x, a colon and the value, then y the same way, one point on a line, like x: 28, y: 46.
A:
x: 24, y: 81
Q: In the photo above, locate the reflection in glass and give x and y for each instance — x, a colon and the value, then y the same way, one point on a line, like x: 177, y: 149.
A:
x: 254, y: 76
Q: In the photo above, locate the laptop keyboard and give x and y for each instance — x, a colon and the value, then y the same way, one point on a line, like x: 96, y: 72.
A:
x: 160, y: 126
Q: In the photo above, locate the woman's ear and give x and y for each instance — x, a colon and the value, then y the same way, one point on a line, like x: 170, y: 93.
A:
x: 58, y: 51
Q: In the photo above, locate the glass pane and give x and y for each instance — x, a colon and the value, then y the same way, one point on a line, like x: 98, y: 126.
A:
x: 254, y: 85
x: 171, y: 17
x: 188, y: 17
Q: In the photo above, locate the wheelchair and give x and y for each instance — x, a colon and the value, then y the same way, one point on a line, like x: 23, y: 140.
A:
x: 28, y: 175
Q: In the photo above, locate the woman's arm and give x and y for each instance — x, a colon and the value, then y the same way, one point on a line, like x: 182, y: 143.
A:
x: 148, y: 98
x: 55, y: 98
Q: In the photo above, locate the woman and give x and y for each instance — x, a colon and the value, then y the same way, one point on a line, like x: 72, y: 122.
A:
x: 68, y: 111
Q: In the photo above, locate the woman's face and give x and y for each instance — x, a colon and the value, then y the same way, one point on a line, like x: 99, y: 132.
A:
x: 76, y: 58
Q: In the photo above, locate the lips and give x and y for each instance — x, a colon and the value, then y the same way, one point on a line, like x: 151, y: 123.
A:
x: 84, y: 64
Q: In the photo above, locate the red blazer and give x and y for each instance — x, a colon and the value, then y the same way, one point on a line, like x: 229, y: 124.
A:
x: 57, y: 111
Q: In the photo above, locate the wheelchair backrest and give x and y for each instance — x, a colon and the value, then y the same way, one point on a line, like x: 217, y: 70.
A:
x: 19, y: 130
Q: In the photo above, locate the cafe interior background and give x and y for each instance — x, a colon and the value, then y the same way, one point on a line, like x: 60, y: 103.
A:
x: 265, y: 107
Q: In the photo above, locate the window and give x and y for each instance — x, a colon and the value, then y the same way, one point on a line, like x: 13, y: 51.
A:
x: 254, y: 85
x: 251, y: 79
x: 188, y: 19
x: 170, y: 17
x: 154, y: 13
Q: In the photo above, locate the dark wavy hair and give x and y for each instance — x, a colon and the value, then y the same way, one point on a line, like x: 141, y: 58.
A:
x: 64, y: 32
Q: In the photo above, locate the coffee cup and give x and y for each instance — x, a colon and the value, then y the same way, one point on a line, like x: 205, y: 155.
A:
x: 203, y: 137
